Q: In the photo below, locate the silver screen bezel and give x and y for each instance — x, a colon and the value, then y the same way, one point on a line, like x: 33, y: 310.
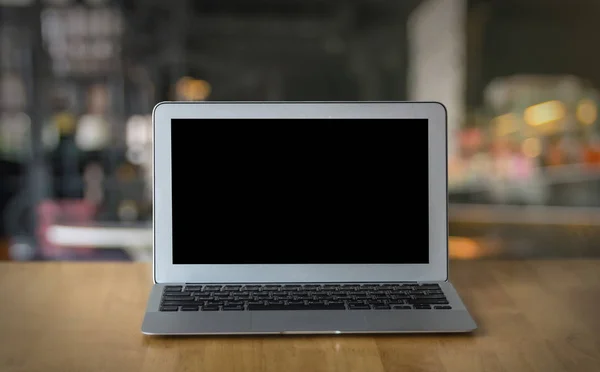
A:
x: 166, y: 272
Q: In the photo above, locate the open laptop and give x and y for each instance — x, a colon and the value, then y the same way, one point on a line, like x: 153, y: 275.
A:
x: 301, y: 218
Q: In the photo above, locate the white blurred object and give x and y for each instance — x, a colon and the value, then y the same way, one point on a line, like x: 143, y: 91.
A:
x: 92, y: 133
x: 53, y: 29
x: 437, y: 67
x: 50, y: 136
x: 82, y: 38
x: 128, y: 210
x: 497, y: 94
x: 139, y: 146
x: 136, y: 155
x: 99, y: 236
x: 21, y: 250
x: 139, y: 131
x: 14, y: 135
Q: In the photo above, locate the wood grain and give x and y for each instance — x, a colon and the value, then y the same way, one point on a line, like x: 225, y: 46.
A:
x: 533, y: 316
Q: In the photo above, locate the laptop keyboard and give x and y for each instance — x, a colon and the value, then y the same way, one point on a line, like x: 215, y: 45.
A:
x: 304, y: 297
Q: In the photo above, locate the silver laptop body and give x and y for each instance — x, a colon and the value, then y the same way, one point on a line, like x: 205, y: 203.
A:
x: 301, y: 218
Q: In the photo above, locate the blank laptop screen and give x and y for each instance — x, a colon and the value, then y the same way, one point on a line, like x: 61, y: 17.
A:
x: 300, y: 191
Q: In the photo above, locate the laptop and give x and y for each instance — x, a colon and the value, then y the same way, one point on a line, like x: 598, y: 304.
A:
x: 301, y: 218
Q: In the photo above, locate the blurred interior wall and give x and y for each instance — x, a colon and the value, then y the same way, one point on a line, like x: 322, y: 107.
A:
x: 437, y: 64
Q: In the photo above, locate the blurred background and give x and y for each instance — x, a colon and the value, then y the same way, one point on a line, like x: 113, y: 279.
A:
x: 79, y: 78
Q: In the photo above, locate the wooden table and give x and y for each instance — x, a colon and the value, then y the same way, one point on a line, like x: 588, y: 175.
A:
x: 534, y: 316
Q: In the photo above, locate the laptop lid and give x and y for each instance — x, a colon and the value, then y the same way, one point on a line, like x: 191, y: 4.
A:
x: 300, y: 192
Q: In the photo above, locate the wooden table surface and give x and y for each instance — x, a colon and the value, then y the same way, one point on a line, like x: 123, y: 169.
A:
x: 537, y: 316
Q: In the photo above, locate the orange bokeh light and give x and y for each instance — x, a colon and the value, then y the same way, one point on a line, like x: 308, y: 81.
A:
x: 463, y: 248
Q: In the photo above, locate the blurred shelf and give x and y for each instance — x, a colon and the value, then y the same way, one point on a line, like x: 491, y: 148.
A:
x: 135, y: 239
x: 107, y: 235
x: 524, y: 214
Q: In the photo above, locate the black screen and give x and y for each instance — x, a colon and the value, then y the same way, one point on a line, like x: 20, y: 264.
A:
x: 300, y: 191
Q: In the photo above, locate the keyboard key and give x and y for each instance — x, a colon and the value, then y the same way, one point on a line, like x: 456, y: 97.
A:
x: 442, y: 307
x: 360, y: 307
x: 422, y: 307
x: 401, y: 307
x: 215, y: 303
x: 432, y: 296
x: 234, y: 303
x: 193, y: 288
x: 179, y: 303
x: 296, y: 307
x: 233, y: 307
x: 370, y: 286
x: 251, y: 287
x: 173, y: 288
x: 381, y: 307
x: 171, y: 294
x: 210, y: 308
x: 396, y: 302
x: 178, y: 298
x: 428, y: 302
x: 213, y: 288
x: 169, y: 308
x: 190, y: 308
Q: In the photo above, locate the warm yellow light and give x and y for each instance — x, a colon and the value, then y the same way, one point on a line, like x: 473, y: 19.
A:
x: 587, y: 112
x: 545, y: 112
x: 181, y: 86
x: 531, y: 147
x: 192, y: 89
x: 505, y: 124
x: 198, y: 90
x: 463, y: 248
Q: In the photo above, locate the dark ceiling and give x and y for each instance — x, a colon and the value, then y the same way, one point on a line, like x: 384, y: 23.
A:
x: 542, y: 37
x: 310, y: 49
x: 324, y: 48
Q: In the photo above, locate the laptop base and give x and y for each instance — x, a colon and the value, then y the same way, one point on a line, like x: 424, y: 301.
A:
x: 456, y: 319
